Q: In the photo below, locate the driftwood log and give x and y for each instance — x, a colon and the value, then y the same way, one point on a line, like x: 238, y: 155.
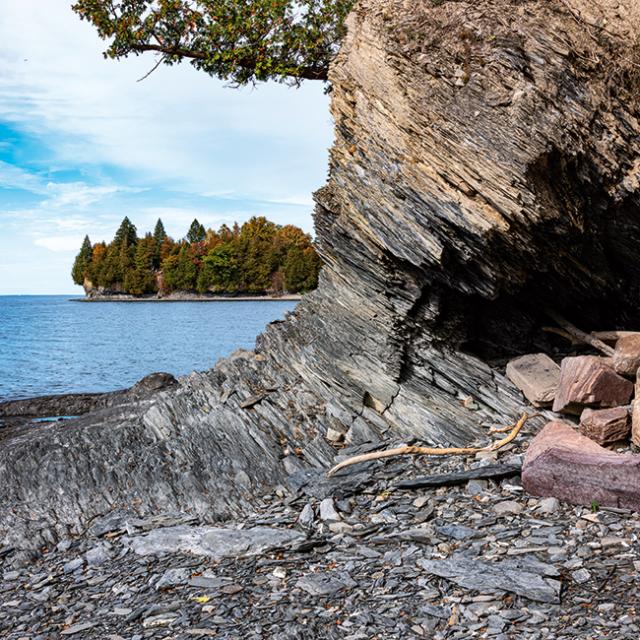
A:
x: 485, y: 168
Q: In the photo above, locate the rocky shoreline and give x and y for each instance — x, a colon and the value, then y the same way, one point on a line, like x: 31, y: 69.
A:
x: 484, y: 172
x: 361, y: 556
x: 185, y: 297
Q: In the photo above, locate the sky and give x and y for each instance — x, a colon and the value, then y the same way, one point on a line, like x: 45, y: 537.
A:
x: 83, y: 143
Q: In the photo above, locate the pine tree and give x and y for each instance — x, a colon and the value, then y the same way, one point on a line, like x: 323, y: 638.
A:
x: 82, y: 262
x: 196, y: 233
x: 159, y: 234
x: 126, y: 233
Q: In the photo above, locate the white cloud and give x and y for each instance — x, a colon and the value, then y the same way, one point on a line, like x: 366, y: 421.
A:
x: 12, y: 177
x: 179, y: 127
x: 59, y: 243
x: 78, y: 194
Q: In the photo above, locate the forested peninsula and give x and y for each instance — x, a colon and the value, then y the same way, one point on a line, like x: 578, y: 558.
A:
x: 259, y: 258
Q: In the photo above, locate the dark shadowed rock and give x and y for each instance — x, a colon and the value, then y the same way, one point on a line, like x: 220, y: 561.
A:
x: 589, y: 381
x: 564, y: 464
x: 76, y: 404
x: 606, y: 426
x: 537, y: 376
x: 626, y: 357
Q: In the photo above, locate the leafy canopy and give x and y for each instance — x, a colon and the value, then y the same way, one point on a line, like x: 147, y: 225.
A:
x: 242, y: 41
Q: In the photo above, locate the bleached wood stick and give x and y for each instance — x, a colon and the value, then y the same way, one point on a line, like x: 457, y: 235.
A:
x: 428, y: 451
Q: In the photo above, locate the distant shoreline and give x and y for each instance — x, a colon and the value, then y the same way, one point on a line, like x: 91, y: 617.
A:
x: 189, y: 298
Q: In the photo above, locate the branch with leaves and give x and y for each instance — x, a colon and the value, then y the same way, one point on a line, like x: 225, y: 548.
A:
x: 242, y: 41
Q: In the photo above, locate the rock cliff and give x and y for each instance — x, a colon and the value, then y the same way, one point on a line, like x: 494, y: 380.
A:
x: 485, y: 168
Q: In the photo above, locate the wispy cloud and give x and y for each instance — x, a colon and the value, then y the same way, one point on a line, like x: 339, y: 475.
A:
x: 59, y: 243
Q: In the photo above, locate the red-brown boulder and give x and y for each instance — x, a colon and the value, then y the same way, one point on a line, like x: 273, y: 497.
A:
x: 589, y: 381
x: 626, y: 357
x: 566, y: 465
x: 605, y: 426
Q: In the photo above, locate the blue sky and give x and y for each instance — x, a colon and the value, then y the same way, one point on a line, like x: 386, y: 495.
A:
x: 82, y: 144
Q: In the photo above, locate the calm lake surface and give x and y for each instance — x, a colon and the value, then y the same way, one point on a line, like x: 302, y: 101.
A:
x: 49, y: 344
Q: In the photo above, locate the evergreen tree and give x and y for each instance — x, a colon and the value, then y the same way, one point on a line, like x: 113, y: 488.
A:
x: 159, y: 234
x: 257, y: 260
x: 196, y: 233
x: 159, y: 237
x: 295, y: 270
x: 220, y: 269
x: 127, y: 232
x: 82, y: 263
x: 141, y: 278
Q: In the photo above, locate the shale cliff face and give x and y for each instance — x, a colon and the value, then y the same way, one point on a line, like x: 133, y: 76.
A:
x: 485, y: 167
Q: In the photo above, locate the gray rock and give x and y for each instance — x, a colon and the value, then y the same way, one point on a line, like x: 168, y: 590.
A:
x: 507, y: 507
x: 307, y: 516
x: 472, y: 573
x: 549, y: 505
x: 173, y: 578
x: 324, y: 584
x: 328, y: 512
x: 213, y: 542
x: 73, y: 565
x: 98, y: 555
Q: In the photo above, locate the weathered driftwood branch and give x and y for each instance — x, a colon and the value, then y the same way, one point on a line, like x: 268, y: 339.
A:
x: 613, y: 336
x: 428, y: 451
x: 576, y: 333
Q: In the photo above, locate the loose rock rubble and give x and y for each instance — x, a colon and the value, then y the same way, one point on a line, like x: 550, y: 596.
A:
x: 478, y: 559
x: 570, y: 466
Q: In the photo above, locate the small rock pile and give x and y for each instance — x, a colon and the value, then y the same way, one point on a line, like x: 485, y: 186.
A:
x: 590, y: 466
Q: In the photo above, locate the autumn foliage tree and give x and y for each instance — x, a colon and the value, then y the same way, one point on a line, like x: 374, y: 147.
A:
x: 242, y: 41
x: 258, y: 257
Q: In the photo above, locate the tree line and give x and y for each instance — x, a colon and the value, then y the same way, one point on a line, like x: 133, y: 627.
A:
x: 258, y: 257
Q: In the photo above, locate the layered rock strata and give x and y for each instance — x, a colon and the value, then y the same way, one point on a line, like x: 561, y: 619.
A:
x: 485, y: 168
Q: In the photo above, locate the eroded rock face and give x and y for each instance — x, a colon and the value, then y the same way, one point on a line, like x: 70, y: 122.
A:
x: 482, y: 171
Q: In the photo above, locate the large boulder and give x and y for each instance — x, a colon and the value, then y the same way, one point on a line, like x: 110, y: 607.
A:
x: 566, y: 465
x: 590, y: 381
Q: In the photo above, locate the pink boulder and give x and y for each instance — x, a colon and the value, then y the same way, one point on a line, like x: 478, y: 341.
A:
x: 589, y: 381
x: 606, y: 425
x: 566, y: 465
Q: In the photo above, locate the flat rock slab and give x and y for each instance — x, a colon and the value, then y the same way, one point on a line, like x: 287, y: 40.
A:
x: 488, y: 472
x: 606, y: 426
x: 214, y: 542
x: 566, y: 465
x: 589, y: 381
x: 537, y: 376
x: 527, y: 580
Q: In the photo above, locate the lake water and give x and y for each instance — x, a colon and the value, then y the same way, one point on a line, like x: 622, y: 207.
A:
x: 50, y: 344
